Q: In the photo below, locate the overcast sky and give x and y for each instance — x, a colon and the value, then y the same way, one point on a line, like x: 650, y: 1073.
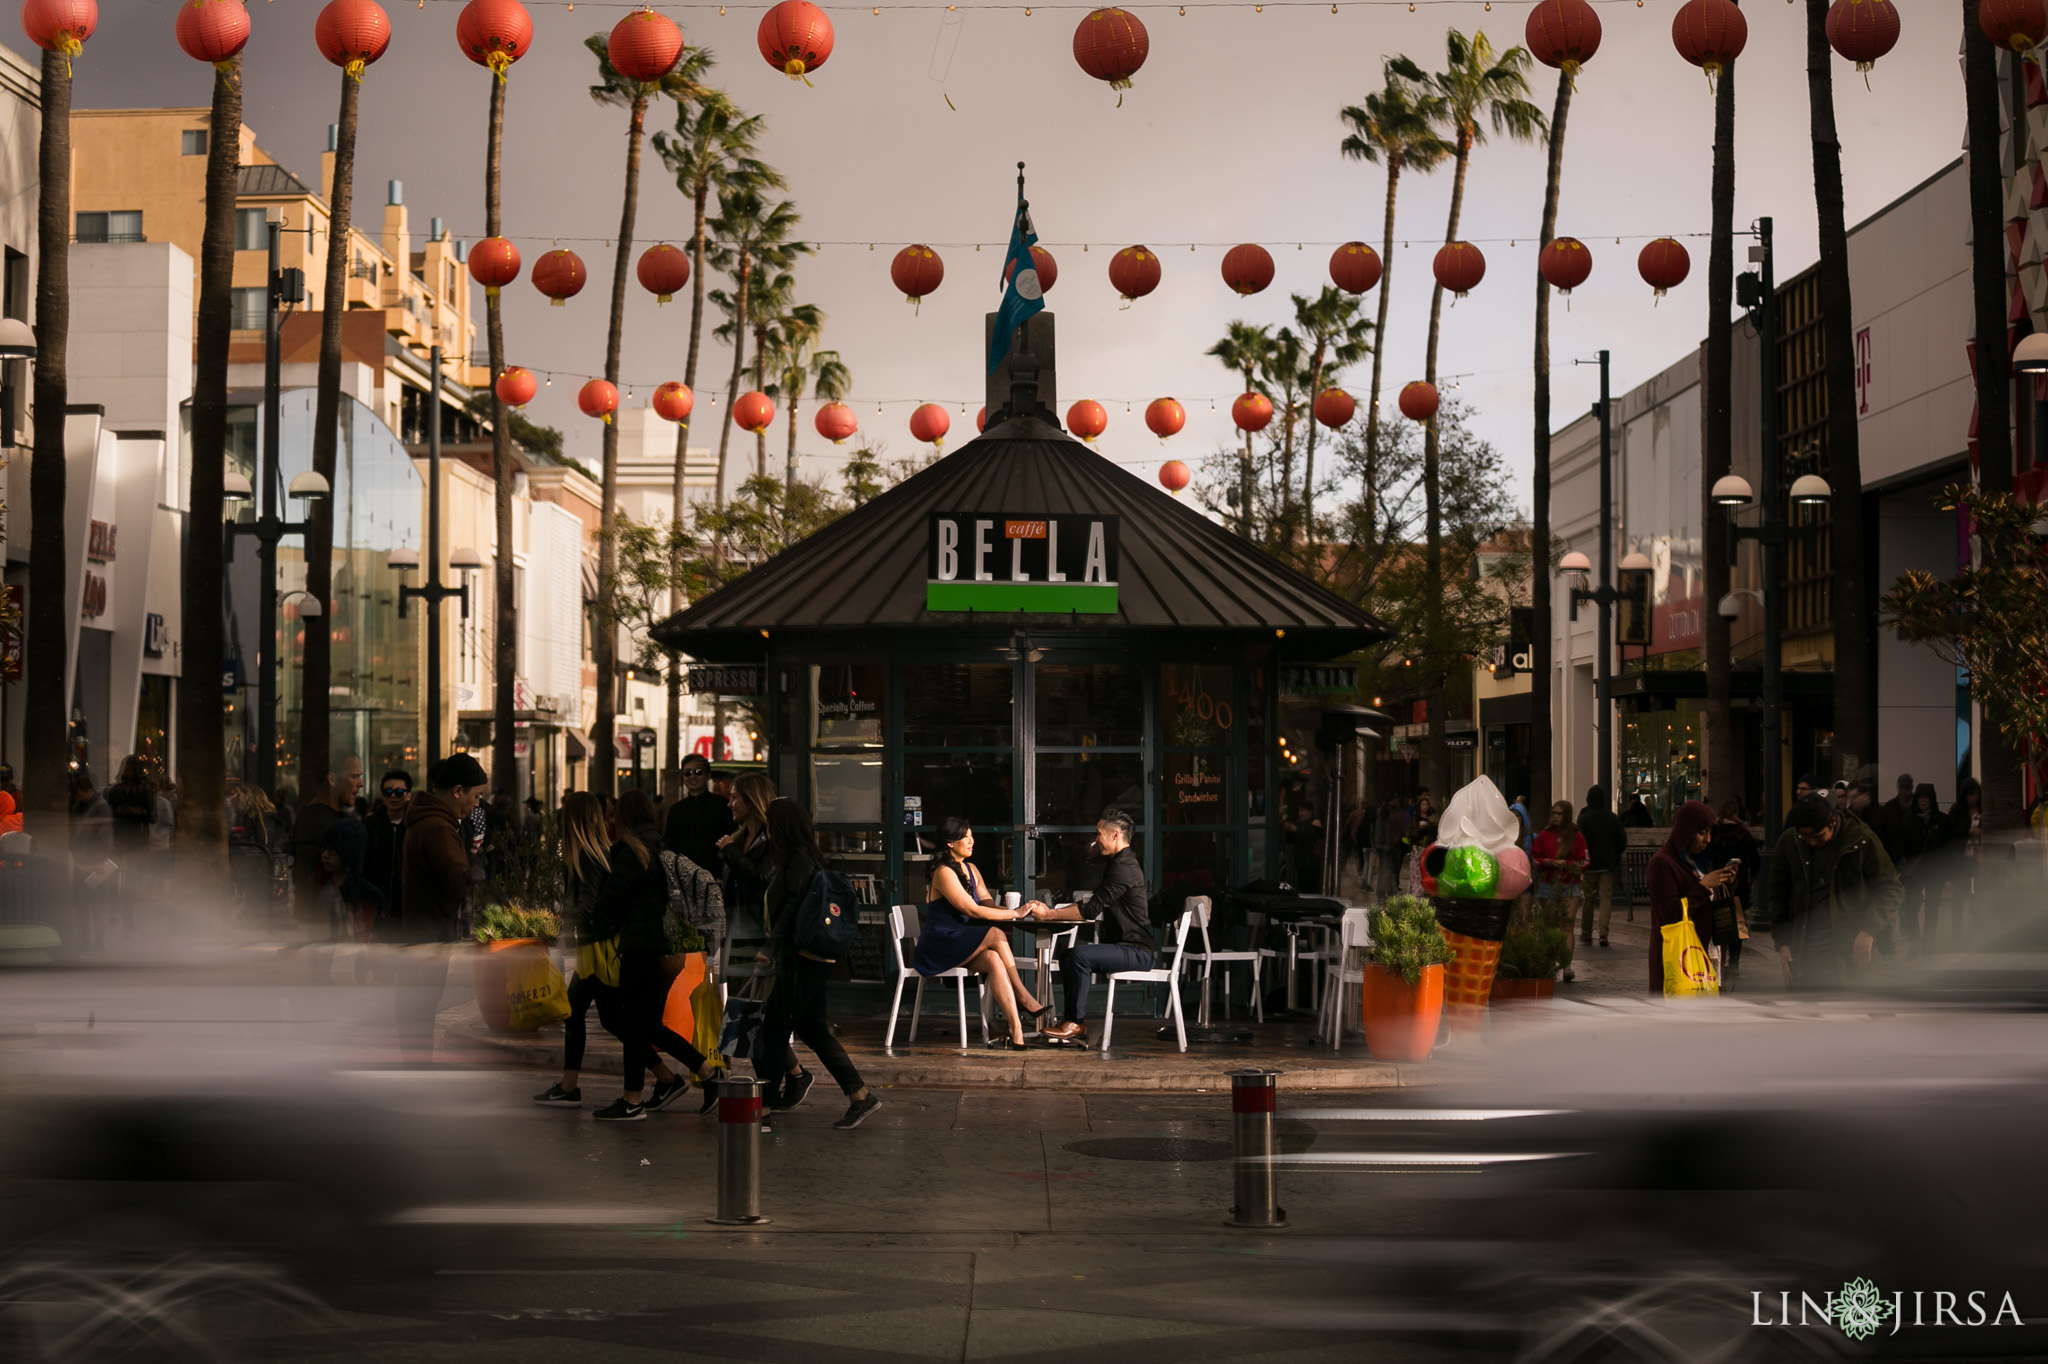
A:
x: 1230, y: 133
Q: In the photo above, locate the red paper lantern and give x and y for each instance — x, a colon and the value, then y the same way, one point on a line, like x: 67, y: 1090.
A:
x: 1709, y: 33
x: 1087, y: 420
x: 60, y: 25
x: 1419, y: 401
x: 1173, y: 476
x: 644, y: 46
x: 1047, y: 269
x: 494, y: 33
x: 981, y: 418
x: 753, y: 411
x: 598, y: 399
x: 673, y: 401
x: 1134, y: 272
x: 1664, y: 264
x: 917, y: 271
x: 352, y: 34
x: 516, y: 387
x: 1355, y: 267
x: 1110, y: 45
x: 663, y: 271
x: 1863, y: 30
x: 493, y: 263
x: 1565, y: 264
x: 1334, y: 407
x: 2015, y: 24
x: 930, y: 425
x: 559, y: 274
x: 795, y: 37
x: 1563, y: 34
x: 1459, y: 267
x: 1165, y: 417
x: 1252, y: 411
x: 835, y: 422
x: 213, y: 30
x: 1247, y: 268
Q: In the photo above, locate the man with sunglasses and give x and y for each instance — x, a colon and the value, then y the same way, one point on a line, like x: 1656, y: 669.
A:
x: 1834, y: 895
x: 699, y: 818
x: 385, y: 857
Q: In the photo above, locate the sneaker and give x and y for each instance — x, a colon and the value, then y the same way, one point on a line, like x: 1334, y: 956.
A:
x: 710, y: 1092
x: 794, y: 1087
x: 554, y: 1096
x: 665, y: 1090
x: 857, y: 1113
x: 618, y: 1110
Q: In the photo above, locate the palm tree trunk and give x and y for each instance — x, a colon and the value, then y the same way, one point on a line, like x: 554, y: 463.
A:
x: 1853, y: 605
x: 47, y: 640
x: 316, y: 670
x: 732, y: 388
x: 761, y: 384
x: 202, y: 756
x: 672, y: 744
x: 604, y: 767
x: 1997, y: 760
x: 1539, y: 791
x: 1244, y: 477
x: 1434, y: 771
x: 504, y: 763
x: 1379, y: 359
x: 789, y: 459
x: 1285, y: 510
x: 1308, y: 476
x: 1724, y: 750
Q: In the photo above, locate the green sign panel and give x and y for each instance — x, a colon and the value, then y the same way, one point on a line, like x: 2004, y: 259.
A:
x: 1049, y: 564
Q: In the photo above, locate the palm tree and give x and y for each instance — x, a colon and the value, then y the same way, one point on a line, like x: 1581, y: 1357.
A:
x: 800, y: 365
x: 1395, y: 128
x: 1245, y: 348
x: 46, y: 761
x: 505, y: 644
x: 1723, y: 750
x: 773, y: 289
x: 1854, y: 601
x: 1286, y: 372
x: 202, y: 758
x: 1539, y: 527
x: 1981, y: 95
x: 1337, y: 339
x: 685, y: 81
x: 1477, y: 88
x: 746, y: 229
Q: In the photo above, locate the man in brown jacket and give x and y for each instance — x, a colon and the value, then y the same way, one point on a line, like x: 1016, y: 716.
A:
x: 436, y: 877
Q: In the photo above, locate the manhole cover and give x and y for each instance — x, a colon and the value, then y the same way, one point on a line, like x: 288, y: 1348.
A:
x: 1171, y: 1149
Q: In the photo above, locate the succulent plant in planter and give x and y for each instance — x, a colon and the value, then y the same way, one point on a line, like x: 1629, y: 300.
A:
x: 1406, y: 938
x: 1533, y: 952
x: 502, y: 923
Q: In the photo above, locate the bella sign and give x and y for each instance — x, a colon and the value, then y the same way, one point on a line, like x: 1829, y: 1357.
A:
x: 989, y: 561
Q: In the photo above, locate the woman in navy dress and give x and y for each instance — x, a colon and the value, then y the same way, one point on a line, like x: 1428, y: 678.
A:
x: 957, y: 929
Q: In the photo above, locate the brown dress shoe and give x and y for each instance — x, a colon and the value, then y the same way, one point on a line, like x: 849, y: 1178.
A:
x: 1066, y: 1031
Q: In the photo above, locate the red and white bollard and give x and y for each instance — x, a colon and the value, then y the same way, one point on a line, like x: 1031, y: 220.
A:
x: 739, y: 1153
x: 1253, y: 1105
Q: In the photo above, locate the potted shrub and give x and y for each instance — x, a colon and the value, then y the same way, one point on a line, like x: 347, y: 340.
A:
x: 512, y: 967
x: 1404, y: 980
x: 1530, y: 957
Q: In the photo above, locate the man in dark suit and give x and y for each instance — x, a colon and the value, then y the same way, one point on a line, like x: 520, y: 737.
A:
x: 1125, y: 940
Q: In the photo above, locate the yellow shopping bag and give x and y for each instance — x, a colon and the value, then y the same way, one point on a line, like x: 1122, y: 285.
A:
x: 599, y: 961
x: 693, y: 1009
x: 1688, y: 970
x: 534, y: 989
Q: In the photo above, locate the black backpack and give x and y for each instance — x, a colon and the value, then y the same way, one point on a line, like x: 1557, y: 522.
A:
x: 828, y: 916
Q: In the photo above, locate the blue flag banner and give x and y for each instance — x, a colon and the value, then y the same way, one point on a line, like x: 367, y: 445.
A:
x: 1022, y: 296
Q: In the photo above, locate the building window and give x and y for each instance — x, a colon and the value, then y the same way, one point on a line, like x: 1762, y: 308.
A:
x: 193, y: 141
x: 110, y: 227
x: 250, y: 310
x: 252, y: 232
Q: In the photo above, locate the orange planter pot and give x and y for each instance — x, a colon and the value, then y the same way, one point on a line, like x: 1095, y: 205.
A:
x: 1401, y: 1020
x: 487, y: 968
x: 1508, y: 989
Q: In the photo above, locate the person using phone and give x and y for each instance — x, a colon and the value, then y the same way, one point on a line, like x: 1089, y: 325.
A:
x: 1680, y: 884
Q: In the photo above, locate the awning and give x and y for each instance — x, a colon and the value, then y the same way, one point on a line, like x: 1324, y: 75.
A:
x: 579, y: 743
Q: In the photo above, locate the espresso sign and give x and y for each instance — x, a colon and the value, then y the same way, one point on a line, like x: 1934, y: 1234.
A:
x: 1009, y: 561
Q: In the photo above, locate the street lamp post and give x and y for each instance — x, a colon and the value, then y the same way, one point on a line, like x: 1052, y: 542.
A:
x: 433, y: 592
x: 1604, y: 595
x: 286, y: 286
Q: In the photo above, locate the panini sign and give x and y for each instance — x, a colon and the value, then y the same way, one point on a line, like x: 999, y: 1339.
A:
x: 1011, y: 561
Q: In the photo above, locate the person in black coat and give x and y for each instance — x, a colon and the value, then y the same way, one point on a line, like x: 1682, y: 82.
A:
x: 699, y: 818
x: 1925, y: 874
x: 1124, y: 940
x: 384, y: 856
x: 635, y: 900
x: 1606, y: 842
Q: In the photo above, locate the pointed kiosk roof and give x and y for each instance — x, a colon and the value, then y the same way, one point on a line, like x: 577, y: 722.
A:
x: 1179, y: 571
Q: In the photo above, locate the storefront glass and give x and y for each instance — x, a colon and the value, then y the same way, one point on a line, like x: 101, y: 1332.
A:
x: 1661, y: 758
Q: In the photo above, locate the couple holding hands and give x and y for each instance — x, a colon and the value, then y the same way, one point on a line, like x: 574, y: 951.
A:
x: 963, y: 927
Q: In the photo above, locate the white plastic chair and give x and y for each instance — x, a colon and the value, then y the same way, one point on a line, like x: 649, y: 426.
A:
x: 905, y: 924
x: 1199, y: 906
x: 1348, y: 968
x: 1169, y: 976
